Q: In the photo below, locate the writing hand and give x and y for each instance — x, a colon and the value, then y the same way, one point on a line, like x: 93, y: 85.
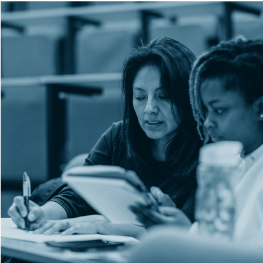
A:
x: 18, y: 212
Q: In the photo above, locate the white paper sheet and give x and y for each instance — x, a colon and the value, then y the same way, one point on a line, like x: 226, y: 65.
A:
x: 9, y: 230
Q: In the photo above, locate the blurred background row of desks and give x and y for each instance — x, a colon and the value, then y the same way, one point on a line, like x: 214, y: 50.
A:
x: 56, y: 90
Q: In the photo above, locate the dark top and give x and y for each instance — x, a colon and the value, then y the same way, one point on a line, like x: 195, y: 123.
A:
x: 111, y: 149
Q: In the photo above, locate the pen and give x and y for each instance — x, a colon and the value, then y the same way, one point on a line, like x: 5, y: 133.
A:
x: 26, y: 195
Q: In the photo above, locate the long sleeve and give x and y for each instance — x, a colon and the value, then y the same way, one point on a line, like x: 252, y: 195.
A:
x: 73, y: 204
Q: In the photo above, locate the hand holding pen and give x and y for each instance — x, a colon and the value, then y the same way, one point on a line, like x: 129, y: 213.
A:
x: 26, y: 196
x: 25, y: 213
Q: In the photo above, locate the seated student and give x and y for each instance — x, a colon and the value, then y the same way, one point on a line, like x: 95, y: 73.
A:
x: 226, y: 91
x: 157, y: 139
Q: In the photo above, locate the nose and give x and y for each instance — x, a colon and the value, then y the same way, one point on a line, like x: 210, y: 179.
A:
x: 151, y: 106
x: 209, y: 122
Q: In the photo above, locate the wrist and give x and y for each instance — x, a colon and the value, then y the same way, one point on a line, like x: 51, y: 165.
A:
x: 102, y: 227
x: 53, y: 211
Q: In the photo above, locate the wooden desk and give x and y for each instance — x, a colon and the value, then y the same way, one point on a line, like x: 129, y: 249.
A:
x: 39, y: 252
x: 56, y: 103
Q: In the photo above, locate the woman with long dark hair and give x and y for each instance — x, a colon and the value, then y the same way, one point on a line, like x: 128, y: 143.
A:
x: 226, y: 92
x: 157, y: 139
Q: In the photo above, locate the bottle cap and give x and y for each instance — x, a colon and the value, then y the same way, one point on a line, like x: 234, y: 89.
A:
x: 221, y: 153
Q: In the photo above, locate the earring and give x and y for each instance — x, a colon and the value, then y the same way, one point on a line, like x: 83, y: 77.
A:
x: 261, y: 117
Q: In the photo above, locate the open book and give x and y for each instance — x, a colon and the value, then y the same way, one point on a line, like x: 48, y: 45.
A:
x: 110, y: 190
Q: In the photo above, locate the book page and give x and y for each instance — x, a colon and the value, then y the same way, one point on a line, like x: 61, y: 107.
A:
x: 111, y: 197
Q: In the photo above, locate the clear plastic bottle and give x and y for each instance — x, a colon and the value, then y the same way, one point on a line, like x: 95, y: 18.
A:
x: 215, y: 202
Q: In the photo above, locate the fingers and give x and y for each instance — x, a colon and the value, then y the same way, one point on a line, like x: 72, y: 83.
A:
x: 52, y: 227
x: 167, y: 215
x: 162, y: 199
x: 146, y: 216
x: 17, y: 211
x: 82, y: 228
x: 19, y: 221
x: 41, y: 221
x: 169, y: 211
x: 19, y: 202
x: 34, y: 226
x: 69, y: 226
x: 36, y: 213
x: 85, y: 219
x: 157, y: 194
x: 58, y: 227
x: 145, y: 220
x: 175, y: 216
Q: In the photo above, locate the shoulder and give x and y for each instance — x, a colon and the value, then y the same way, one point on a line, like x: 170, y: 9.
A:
x: 113, y: 137
x: 117, y: 126
x: 116, y: 131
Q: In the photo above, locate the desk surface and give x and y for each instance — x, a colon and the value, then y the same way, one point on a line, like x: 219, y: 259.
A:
x: 85, y: 79
x: 39, y: 252
x: 118, y: 11
x: 106, y: 13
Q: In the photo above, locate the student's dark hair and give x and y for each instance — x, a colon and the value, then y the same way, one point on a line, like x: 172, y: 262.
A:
x: 174, y: 61
x: 238, y: 62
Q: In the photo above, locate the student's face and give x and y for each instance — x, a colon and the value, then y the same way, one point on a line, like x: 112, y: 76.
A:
x: 229, y: 117
x: 152, y: 108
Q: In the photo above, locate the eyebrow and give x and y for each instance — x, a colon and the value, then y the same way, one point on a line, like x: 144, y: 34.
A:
x: 212, y: 102
x: 137, y: 88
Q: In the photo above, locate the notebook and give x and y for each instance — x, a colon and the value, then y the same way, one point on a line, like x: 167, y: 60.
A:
x: 10, y: 230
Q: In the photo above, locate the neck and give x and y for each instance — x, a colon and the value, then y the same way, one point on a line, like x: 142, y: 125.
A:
x: 255, y: 141
x: 158, y: 150
x: 252, y: 148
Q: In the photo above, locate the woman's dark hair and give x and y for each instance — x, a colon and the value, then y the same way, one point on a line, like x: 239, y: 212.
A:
x: 174, y: 61
x: 238, y: 62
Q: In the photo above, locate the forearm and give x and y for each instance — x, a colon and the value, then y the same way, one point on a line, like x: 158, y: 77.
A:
x: 72, y: 203
x: 54, y: 211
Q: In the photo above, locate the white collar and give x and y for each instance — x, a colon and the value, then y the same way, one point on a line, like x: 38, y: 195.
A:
x: 253, y: 157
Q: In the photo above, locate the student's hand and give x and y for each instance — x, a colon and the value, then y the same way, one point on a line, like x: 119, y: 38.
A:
x: 92, y: 224
x: 161, y: 198
x: 18, y: 212
x: 79, y: 225
x: 166, y: 215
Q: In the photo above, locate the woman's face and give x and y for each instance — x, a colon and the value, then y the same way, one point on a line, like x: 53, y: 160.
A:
x: 152, y: 107
x: 229, y: 117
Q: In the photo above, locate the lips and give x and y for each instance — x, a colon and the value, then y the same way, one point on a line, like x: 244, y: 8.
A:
x: 153, y: 122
